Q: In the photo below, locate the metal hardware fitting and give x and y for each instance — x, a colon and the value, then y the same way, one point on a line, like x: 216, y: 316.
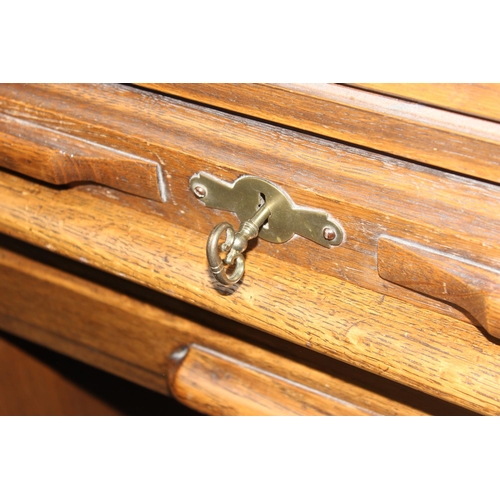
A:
x: 266, y: 211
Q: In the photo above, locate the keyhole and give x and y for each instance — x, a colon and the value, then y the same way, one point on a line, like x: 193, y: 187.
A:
x: 262, y: 202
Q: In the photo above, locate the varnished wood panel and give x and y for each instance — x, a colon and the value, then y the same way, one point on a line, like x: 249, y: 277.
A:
x: 448, y: 140
x: 479, y: 99
x: 371, y: 195
x: 133, y: 332
x: 420, y: 348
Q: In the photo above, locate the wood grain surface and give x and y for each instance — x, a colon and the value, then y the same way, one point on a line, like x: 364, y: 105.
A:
x: 410, y: 130
x: 135, y: 333
x: 59, y: 158
x: 162, y: 245
x: 371, y: 195
x: 417, y: 347
x: 477, y: 99
x: 474, y: 288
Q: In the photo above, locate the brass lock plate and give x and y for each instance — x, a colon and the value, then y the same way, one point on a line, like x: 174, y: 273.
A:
x: 247, y: 194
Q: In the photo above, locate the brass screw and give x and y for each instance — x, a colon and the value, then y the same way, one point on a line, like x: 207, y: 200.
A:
x: 200, y: 191
x: 329, y: 233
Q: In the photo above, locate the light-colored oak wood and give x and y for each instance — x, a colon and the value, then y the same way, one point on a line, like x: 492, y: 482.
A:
x: 437, y: 137
x: 132, y: 332
x: 417, y: 347
x: 479, y: 99
x: 474, y: 288
x: 371, y: 195
x: 58, y: 158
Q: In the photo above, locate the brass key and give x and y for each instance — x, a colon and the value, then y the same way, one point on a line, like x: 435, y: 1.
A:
x: 234, y: 245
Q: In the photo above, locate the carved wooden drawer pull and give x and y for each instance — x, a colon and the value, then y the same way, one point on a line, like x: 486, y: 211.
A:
x: 464, y: 283
x: 59, y: 158
x: 212, y: 382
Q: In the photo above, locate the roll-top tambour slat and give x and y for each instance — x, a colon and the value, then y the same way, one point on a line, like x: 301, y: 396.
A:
x: 410, y: 130
x: 59, y: 158
x: 478, y: 99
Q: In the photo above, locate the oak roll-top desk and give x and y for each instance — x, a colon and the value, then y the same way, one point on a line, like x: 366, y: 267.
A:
x: 374, y: 291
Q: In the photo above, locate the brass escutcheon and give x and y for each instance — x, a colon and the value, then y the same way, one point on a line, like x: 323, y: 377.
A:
x: 266, y: 211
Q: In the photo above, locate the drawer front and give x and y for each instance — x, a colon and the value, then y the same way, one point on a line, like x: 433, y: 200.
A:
x: 371, y: 195
x: 336, y: 301
x: 210, y: 364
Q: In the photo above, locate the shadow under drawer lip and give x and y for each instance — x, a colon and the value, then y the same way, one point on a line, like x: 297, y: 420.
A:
x: 35, y: 380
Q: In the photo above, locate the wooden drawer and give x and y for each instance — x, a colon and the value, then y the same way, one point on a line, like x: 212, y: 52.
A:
x: 411, y: 294
x: 207, y: 362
